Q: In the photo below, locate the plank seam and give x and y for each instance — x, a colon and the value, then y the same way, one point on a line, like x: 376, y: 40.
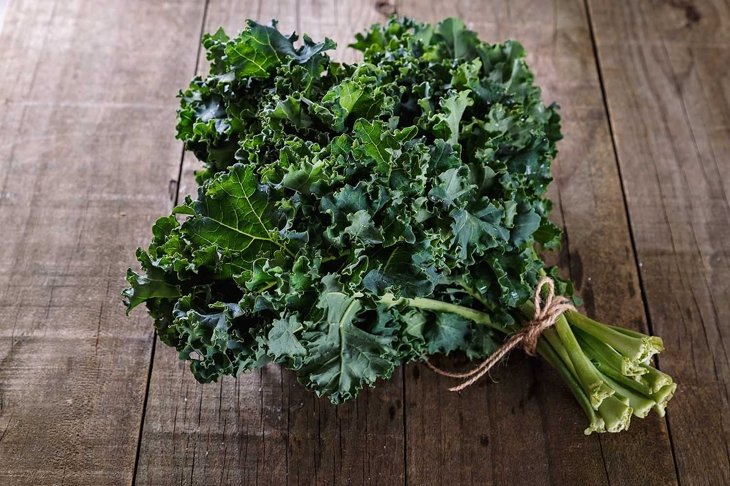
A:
x: 176, y: 200
x: 396, y: 4
x: 403, y: 368
x: 405, y: 427
x: 632, y: 237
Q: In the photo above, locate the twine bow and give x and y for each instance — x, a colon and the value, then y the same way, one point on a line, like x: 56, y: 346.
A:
x: 547, y: 312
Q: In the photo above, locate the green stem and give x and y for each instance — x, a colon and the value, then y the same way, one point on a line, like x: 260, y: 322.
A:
x: 605, y: 354
x: 641, y: 403
x: 624, y: 380
x: 551, y: 336
x: 616, y: 412
x: 592, y: 381
x: 439, y: 306
x: 662, y: 397
x: 655, y: 379
x: 635, y: 346
x: 548, y: 353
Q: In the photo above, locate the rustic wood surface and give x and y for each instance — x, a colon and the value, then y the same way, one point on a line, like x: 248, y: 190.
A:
x: 86, y: 152
x: 88, y: 161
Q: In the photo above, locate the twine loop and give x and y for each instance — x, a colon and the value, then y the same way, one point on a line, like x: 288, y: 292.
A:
x: 547, y: 311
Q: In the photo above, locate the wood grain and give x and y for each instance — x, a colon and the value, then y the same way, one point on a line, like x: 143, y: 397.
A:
x: 264, y: 427
x: 665, y: 71
x: 86, y: 150
x: 87, y: 156
x: 529, y: 413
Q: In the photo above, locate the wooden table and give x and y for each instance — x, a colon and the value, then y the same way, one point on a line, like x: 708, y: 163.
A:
x: 88, y: 160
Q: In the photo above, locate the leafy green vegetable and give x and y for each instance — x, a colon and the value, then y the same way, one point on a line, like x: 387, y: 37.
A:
x: 352, y: 218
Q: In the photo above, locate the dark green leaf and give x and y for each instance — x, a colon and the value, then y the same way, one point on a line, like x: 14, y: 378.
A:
x: 341, y: 357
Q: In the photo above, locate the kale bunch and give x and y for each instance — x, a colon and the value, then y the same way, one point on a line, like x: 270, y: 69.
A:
x: 352, y: 218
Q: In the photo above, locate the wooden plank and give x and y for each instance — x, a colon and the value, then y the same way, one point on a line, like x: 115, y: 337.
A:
x: 526, y: 429
x: 665, y: 71
x: 264, y: 428
x: 86, y: 153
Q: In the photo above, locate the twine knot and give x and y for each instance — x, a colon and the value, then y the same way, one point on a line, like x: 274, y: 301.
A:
x: 547, y: 311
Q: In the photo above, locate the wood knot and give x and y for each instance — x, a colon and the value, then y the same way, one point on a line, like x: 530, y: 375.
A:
x: 172, y: 188
x: 384, y: 7
x: 692, y: 13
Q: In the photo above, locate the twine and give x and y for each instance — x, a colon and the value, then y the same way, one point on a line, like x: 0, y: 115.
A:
x: 547, y: 312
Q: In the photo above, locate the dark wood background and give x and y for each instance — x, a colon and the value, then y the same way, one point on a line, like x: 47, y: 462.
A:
x: 88, y: 160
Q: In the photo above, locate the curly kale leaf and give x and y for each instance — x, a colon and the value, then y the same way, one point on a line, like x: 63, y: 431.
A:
x: 342, y: 357
x: 233, y: 214
x: 260, y: 48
